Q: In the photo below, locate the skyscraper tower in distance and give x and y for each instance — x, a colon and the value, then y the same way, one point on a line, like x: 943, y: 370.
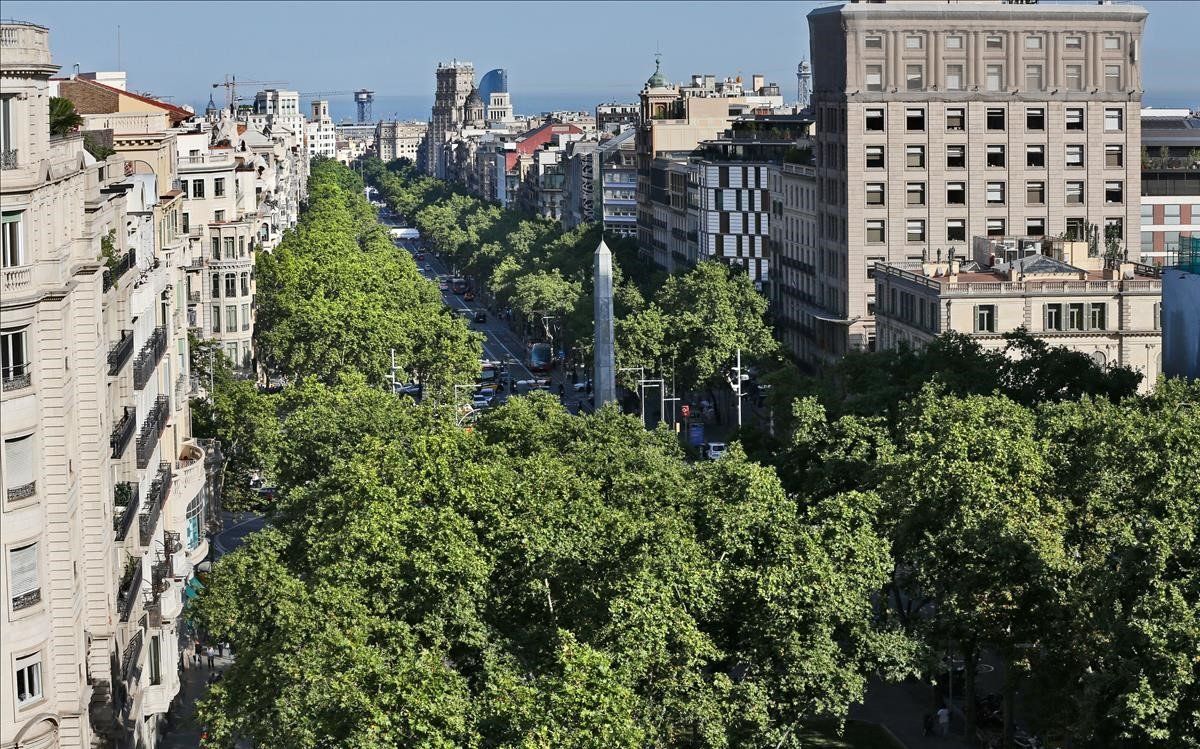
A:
x: 604, y: 384
x: 455, y: 80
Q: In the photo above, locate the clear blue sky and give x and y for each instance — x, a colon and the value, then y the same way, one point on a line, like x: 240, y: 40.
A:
x: 592, y: 50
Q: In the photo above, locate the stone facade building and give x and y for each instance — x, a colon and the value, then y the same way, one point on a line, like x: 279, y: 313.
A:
x: 937, y: 122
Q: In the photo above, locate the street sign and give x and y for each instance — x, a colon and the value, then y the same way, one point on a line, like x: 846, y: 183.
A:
x: 686, y: 410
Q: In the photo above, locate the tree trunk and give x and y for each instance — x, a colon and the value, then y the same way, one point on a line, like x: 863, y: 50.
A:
x: 970, y: 666
x: 1009, y: 691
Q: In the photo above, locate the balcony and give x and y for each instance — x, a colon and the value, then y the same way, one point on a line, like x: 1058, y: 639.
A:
x: 148, y: 358
x: 193, y: 297
x: 114, y: 273
x: 122, y: 433
x: 15, y: 377
x: 152, y: 429
x: 8, y: 159
x: 125, y: 499
x: 16, y: 278
x: 160, y: 488
x: 25, y: 600
x: 21, y: 491
x: 132, y: 657
x: 120, y: 352
x: 131, y: 588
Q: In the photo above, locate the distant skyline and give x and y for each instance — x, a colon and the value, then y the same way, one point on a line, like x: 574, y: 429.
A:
x: 558, y: 55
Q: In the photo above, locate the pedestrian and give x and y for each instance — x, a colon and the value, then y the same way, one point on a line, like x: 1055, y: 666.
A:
x: 211, y: 652
x: 927, y: 725
x: 943, y: 719
x: 562, y: 390
x: 226, y: 649
x: 196, y: 652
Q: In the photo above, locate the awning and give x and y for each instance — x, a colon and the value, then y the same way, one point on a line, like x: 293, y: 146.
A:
x: 192, y: 589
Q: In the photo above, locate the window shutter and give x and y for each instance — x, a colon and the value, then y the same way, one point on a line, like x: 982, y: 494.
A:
x: 24, y: 571
x: 18, y: 461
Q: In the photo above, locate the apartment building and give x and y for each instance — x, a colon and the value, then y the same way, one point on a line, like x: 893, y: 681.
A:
x: 794, y: 262
x: 399, y: 140
x: 938, y: 122
x: 1058, y: 290
x: 1170, y: 183
x: 320, y: 134
x: 91, y: 533
x: 455, y: 81
x: 618, y: 183
x: 579, y: 180
x: 613, y: 117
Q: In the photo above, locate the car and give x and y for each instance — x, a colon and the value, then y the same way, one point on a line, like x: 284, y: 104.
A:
x: 487, y: 390
x: 480, y: 402
x: 412, y: 389
x: 420, y: 257
x: 584, y: 386
x: 713, y: 450
x: 481, y: 316
x: 468, y: 296
x: 443, y: 285
x: 464, y: 313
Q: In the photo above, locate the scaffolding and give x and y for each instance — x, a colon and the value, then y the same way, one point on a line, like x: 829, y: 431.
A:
x: 1188, y: 258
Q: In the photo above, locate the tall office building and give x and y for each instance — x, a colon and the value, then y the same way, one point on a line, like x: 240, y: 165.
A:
x: 455, y: 82
x: 937, y: 122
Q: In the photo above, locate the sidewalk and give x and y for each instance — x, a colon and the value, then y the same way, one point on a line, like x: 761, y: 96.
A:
x: 185, y: 732
x: 901, y: 707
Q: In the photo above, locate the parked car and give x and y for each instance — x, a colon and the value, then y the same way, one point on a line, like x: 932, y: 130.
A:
x: 411, y: 389
x: 713, y: 450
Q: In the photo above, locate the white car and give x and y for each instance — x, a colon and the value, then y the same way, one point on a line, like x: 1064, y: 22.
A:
x: 713, y: 450
x: 480, y: 402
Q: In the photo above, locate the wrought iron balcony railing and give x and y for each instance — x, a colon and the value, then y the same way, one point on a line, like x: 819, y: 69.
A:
x: 160, y: 488
x: 148, y: 357
x: 113, y: 274
x: 152, y: 428
x: 131, y: 588
x: 125, y: 507
x: 120, y: 352
x: 131, y: 656
x: 15, y: 377
x: 123, y: 432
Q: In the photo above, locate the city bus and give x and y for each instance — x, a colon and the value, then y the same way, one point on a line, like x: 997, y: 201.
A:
x: 541, y: 357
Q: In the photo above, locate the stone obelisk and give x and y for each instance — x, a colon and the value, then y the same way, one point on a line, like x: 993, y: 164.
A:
x: 604, y: 386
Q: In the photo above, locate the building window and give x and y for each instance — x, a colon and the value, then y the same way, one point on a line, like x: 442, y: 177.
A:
x: 1112, y: 42
x: 995, y: 118
x: 12, y: 251
x: 245, y: 277
x: 1114, y: 191
x: 24, y: 585
x: 994, y: 77
x: 956, y: 230
x: 954, y: 42
x: 995, y: 193
x: 1033, y: 42
x: 183, y: 187
x: 219, y: 216
x: 914, y: 77
x: 875, y: 157
x: 194, y: 518
x: 1114, y: 119
x: 1052, y: 317
x: 230, y: 284
x: 1112, y: 77
x: 1075, y: 155
x: 874, y: 120
x: 245, y: 317
x: 914, y: 157
x: 995, y: 42
x: 1076, y: 229
x: 1035, y: 119
x: 1114, y: 155
x: 1074, y: 193
x: 914, y: 119
x: 219, y: 187
x: 1074, y: 119
x: 197, y: 188
x: 229, y: 248
x: 1033, y: 78
x: 913, y: 42
x: 873, y: 42
x: 14, y: 363
x: 954, y: 77
x: 1035, y: 227
x: 1116, y: 227
x: 216, y: 248
x: 875, y: 231
x: 1035, y: 156
x: 1074, y: 42
x: 956, y: 157
x: 154, y: 660
x: 874, y: 78
x: 875, y: 193
x: 995, y: 227
x: 1075, y: 316
x: 216, y: 318
x: 28, y: 680
x: 956, y: 119
x: 231, y: 319
x: 1035, y: 193
x: 1097, y: 316
x: 985, y: 318
x: 914, y: 230
x: 1171, y: 214
x: 216, y: 286
x: 956, y: 193
x: 187, y: 223
x: 995, y: 155
x: 1074, y: 77
x: 916, y: 193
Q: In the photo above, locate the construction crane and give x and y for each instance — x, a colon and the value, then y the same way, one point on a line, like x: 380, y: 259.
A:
x: 231, y: 83
x: 323, y: 94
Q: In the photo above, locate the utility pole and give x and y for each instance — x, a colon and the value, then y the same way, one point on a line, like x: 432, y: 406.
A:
x: 735, y: 382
